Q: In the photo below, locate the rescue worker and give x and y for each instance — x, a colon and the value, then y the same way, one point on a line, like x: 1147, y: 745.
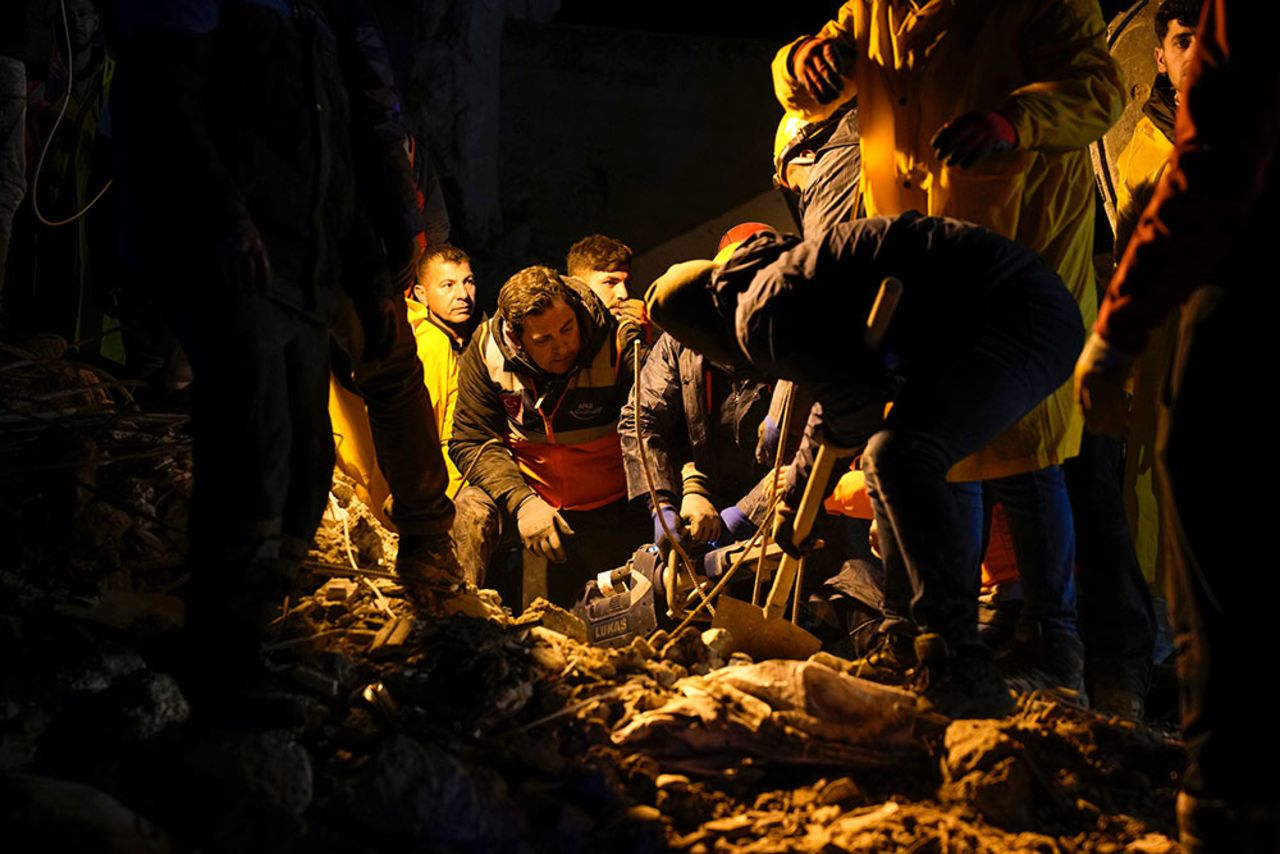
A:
x: 604, y: 264
x: 247, y: 183
x: 1201, y: 243
x: 698, y: 423
x: 400, y: 407
x: 1147, y: 152
x: 443, y: 316
x: 535, y: 433
x: 999, y: 142
x: 982, y: 333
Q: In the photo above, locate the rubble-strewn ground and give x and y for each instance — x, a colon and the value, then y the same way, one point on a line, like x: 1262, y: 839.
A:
x: 464, y: 729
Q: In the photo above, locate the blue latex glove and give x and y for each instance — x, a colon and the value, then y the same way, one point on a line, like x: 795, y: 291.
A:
x: 674, y: 523
x: 737, y: 526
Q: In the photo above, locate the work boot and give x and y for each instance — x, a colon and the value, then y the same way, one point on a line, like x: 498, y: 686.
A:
x: 1209, y: 825
x: 963, y: 682
x: 1115, y: 689
x: 889, y: 660
x: 427, y: 566
x: 1046, y: 659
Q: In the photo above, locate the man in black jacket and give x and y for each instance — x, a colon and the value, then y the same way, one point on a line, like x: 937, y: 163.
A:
x: 699, y: 422
x: 263, y: 165
x: 982, y: 333
x: 535, y: 432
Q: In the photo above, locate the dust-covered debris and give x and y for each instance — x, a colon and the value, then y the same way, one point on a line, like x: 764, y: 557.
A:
x: 445, y: 722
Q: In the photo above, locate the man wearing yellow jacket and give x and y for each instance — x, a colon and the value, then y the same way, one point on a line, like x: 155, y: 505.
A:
x: 982, y: 112
x: 443, y: 315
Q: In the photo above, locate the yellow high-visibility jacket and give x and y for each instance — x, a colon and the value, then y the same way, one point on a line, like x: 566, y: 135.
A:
x: 439, y: 350
x: 353, y: 440
x: 1044, y: 65
x: 1142, y: 160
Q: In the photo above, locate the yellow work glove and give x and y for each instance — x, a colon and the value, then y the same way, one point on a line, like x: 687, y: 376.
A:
x: 542, y: 529
x: 701, y: 516
x: 1101, y: 385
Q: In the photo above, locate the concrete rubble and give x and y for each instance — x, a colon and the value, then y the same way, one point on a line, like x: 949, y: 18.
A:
x: 463, y: 727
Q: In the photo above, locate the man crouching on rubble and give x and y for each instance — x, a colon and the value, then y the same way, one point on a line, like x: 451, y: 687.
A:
x: 982, y: 333
x: 535, y: 432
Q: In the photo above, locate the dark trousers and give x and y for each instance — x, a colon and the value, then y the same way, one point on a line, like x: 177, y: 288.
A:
x: 1216, y: 465
x: 1014, y: 354
x: 1117, y: 618
x: 263, y: 454
x: 405, y: 438
x: 603, y: 539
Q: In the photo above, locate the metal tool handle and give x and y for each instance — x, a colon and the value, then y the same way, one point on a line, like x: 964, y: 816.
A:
x: 882, y: 310
x: 806, y: 515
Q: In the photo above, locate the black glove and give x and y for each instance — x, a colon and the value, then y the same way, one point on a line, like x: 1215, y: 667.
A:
x: 784, y: 530
x: 819, y: 65
x: 973, y: 137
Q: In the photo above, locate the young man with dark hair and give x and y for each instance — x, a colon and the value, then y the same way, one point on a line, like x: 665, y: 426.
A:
x: 535, y: 432
x: 1148, y: 150
x: 604, y: 264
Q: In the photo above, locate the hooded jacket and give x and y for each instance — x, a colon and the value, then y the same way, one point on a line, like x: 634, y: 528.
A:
x: 518, y: 430
x: 1044, y: 65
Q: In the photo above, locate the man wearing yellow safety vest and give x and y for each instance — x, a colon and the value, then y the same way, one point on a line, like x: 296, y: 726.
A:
x: 982, y: 112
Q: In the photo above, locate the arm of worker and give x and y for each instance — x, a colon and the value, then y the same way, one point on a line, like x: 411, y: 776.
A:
x: 813, y: 75
x: 661, y: 419
x: 842, y: 421
x: 479, y: 442
x: 632, y: 344
x: 172, y: 151
x: 379, y: 139
x: 1077, y: 90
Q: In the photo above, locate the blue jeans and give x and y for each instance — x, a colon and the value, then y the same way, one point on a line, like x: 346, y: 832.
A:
x: 1019, y: 351
x: 1038, y: 511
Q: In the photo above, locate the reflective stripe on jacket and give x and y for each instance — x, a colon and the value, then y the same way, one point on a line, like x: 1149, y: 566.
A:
x: 518, y: 430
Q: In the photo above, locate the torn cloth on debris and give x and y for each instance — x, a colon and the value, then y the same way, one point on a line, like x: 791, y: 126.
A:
x: 783, y: 711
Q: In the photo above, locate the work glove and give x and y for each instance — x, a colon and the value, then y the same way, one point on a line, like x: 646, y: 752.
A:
x: 701, y: 516
x: 542, y: 529
x: 667, y: 513
x: 1101, y: 381
x: 242, y: 258
x: 380, y: 317
x: 737, y: 526
x: 630, y: 311
x: 819, y: 65
x: 784, y: 529
x: 974, y: 136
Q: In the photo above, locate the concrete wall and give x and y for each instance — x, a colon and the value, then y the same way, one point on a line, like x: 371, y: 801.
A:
x: 639, y: 135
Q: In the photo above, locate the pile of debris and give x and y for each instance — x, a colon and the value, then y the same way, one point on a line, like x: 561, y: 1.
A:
x: 468, y: 728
